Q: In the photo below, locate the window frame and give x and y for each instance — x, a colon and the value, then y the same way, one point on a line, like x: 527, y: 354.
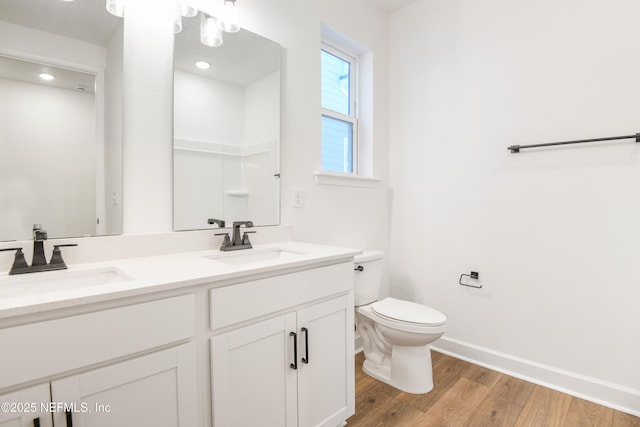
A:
x: 344, y: 54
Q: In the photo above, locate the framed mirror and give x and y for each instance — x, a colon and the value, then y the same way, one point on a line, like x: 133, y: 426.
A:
x: 60, y: 118
x: 226, y: 129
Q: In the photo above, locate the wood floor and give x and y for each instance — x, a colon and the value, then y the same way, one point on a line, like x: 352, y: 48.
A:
x: 470, y: 395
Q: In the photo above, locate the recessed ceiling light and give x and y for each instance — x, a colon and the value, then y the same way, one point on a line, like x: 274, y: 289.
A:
x: 46, y: 76
x: 203, y: 65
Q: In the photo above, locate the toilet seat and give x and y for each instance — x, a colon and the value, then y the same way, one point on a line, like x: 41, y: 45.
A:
x: 408, y: 312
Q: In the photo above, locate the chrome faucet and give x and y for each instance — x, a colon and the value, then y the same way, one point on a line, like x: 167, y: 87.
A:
x: 220, y: 222
x: 39, y: 261
x: 236, y: 233
x: 237, y: 242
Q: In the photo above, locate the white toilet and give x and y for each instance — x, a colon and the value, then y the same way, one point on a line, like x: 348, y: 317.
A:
x: 395, y: 334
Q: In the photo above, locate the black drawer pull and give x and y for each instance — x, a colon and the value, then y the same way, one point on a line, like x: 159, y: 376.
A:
x: 69, y: 416
x: 305, y: 359
x: 294, y: 365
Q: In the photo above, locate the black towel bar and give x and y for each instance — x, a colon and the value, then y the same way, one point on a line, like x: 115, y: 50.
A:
x: 517, y: 148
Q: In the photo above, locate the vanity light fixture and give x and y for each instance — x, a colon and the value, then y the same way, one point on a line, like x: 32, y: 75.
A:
x: 203, y: 65
x: 116, y: 7
x: 46, y: 76
x: 183, y: 9
x: 210, y: 32
x: 229, y: 21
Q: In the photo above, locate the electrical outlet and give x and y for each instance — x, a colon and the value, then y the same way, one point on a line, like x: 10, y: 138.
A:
x: 298, y: 197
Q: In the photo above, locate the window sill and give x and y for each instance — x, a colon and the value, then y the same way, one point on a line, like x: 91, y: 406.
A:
x: 345, y: 180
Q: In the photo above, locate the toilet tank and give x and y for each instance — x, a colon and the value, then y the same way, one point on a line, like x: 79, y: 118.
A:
x: 368, y: 277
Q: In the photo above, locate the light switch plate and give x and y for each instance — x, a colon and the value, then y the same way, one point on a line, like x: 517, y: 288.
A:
x: 298, y: 197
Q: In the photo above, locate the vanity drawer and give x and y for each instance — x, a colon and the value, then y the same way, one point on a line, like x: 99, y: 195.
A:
x: 38, y: 350
x: 245, y: 301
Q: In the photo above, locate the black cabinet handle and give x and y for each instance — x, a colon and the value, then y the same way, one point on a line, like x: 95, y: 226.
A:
x: 305, y: 359
x: 36, y: 422
x: 69, y: 418
x: 294, y: 365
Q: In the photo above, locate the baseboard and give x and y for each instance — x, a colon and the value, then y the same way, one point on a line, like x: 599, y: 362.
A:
x: 615, y: 396
x: 358, y: 343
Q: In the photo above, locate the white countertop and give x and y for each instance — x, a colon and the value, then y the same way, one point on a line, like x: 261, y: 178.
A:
x: 28, y: 293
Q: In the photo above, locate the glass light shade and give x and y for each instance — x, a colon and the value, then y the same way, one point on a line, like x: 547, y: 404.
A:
x: 116, y: 7
x: 210, y: 32
x: 177, y: 23
x: 183, y: 9
x: 229, y: 21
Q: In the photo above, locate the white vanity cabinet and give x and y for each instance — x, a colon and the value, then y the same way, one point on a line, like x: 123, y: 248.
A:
x: 293, y: 364
x: 153, y: 390
x: 127, y: 366
x: 157, y: 389
x: 252, y: 384
x: 24, y: 408
x: 325, y: 367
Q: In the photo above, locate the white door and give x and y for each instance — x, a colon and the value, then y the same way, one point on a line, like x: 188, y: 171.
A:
x: 253, y: 377
x: 27, y: 407
x: 326, y: 372
x: 155, y: 390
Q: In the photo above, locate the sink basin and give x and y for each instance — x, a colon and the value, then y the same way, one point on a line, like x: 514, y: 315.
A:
x: 251, y: 256
x: 52, y: 281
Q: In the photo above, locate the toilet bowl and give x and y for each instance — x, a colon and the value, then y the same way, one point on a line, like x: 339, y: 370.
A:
x: 395, y: 333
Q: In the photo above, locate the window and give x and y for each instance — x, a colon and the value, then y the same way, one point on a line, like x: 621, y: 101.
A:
x: 339, y: 118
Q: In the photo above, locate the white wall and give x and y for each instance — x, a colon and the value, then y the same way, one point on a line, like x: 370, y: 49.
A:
x: 113, y: 133
x: 553, y: 232
x: 147, y: 127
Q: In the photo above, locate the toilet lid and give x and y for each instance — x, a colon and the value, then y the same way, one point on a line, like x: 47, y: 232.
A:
x: 406, y: 311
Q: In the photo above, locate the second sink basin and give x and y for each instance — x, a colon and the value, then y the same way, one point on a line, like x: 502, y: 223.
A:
x: 251, y: 256
x: 52, y: 281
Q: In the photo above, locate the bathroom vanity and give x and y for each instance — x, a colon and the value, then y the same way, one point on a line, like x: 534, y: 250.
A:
x: 258, y: 337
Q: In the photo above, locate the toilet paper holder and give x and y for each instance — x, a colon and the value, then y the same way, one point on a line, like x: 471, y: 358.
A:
x: 473, y: 275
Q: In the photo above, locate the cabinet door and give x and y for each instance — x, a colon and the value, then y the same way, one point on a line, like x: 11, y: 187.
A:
x: 155, y: 390
x: 253, y: 383
x: 23, y: 407
x: 326, y: 375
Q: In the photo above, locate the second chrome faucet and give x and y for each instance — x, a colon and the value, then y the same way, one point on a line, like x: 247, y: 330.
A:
x: 237, y: 242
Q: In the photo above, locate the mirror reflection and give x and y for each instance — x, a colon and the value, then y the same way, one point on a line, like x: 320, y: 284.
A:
x: 60, y: 118
x: 226, y: 129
